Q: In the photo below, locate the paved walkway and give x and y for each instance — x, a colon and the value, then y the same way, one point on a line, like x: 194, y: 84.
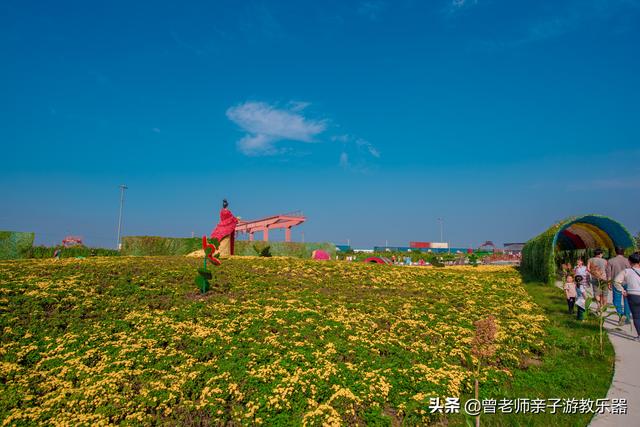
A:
x: 626, y: 375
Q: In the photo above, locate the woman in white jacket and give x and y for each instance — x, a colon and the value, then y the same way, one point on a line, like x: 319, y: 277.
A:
x: 631, y: 276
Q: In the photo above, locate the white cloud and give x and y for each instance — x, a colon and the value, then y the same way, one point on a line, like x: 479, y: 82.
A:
x: 344, y: 160
x: 266, y: 125
x: 256, y: 145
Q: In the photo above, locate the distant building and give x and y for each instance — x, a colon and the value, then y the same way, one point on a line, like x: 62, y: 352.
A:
x: 429, y: 245
x: 410, y: 249
x: 488, y: 246
x: 513, y: 248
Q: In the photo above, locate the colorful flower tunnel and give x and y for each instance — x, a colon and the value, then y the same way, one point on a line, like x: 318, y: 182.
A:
x: 580, y: 234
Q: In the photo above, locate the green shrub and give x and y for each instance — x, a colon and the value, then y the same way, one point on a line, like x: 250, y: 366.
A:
x: 265, y: 252
x: 538, y: 261
x: 473, y: 260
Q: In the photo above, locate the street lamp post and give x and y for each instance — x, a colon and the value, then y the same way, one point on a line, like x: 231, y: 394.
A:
x: 441, y: 221
x: 122, y: 188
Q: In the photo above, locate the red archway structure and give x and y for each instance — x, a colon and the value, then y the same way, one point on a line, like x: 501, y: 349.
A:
x: 285, y: 221
x: 70, y: 241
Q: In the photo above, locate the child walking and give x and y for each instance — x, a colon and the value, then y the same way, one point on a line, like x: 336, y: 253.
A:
x: 580, y: 298
x: 570, y: 292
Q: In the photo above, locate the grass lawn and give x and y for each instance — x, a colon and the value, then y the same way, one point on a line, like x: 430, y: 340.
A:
x: 570, y: 367
x: 278, y: 342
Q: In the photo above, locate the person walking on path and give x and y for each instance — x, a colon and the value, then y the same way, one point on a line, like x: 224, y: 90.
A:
x: 580, y: 298
x: 597, y: 268
x: 631, y: 276
x: 581, y: 270
x: 570, y: 292
x: 615, y: 266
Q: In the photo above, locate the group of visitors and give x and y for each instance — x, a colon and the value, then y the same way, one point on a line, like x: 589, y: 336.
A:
x: 619, y: 274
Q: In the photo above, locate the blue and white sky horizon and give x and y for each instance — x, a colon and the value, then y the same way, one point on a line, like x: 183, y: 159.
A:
x: 372, y: 117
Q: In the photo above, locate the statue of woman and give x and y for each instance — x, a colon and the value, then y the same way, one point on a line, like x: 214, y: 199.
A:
x: 225, y: 230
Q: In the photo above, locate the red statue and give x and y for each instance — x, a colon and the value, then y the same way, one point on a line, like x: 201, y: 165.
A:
x: 225, y: 230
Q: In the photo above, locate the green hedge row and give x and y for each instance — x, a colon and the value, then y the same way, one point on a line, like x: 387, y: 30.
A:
x: 538, y: 261
x: 155, y: 245
x: 15, y: 244
x: 19, y: 245
x: 292, y: 249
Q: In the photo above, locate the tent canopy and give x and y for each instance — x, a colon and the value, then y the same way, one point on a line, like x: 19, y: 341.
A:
x: 592, y: 231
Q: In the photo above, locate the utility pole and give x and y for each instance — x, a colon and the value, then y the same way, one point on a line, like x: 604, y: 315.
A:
x: 122, y: 188
x: 441, y: 221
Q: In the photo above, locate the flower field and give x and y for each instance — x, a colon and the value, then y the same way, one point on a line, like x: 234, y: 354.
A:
x: 278, y: 341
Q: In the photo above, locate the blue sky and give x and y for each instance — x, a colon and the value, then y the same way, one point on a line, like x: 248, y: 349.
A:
x: 372, y: 117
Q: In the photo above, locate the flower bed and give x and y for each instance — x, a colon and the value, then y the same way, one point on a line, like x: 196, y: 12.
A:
x: 277, y: 341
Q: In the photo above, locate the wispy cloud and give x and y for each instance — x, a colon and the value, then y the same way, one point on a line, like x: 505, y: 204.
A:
x: 368, y: 146
x: 458, y: 4
x: 298, y: 105
x: 454, y: 6
x: 259, y: 23
x: 371, y: 9
x: 356, y: 152
x: 564, y: 19
x: 266, y: 125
